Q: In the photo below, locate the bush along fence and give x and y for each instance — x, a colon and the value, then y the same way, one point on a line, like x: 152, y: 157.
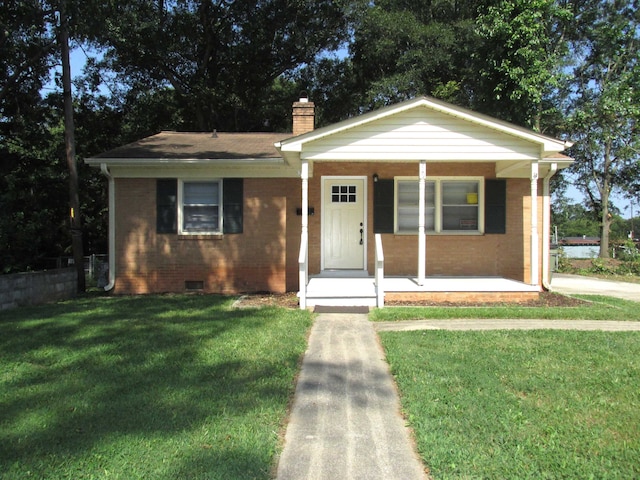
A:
x: 32, y: 288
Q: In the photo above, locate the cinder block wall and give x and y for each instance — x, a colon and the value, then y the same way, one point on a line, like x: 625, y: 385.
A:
x: 33, y: 288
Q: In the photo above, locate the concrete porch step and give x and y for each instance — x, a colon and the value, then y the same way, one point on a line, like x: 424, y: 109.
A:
x: 341, y: 292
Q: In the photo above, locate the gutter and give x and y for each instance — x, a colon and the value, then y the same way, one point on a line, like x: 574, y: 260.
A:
x: 546, y: 226
x: 112, y: 225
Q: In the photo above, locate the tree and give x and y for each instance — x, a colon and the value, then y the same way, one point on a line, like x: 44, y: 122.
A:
x: 27, y: 50
x: 220, y: 62
x: 520, y: 60
x: 34, y: 226
x: 75, y: 217
x: 573, y: 220
x: 605, y: 105
x: 401, y: 49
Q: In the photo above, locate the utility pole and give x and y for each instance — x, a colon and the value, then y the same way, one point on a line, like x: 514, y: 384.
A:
x: 75, y: 219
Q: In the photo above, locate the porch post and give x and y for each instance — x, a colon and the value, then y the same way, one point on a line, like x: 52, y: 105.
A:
x: 304, y: 175
x: 303, y: 257
x: 535, y: 255
x: 422, y: 247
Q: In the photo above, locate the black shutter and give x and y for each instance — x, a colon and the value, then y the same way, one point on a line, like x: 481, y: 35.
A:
x: 232, y: 205
x: 383, y: 206
x: 495, y: 206
x: 166, y: 205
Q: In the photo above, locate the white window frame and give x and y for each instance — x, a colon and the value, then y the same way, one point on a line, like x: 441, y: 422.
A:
x: 181, y: 230
x: 438, y: 207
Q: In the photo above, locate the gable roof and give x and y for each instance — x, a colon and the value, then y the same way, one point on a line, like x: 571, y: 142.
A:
x: 548, y: 144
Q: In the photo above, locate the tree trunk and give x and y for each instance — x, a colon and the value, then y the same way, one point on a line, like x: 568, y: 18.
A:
x: 604, y: 233
x: 75, y: 218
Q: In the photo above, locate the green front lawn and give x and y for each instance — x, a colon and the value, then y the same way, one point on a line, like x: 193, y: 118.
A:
x: 158, y: 387
x: 594, y: 308
x: 507, y: 404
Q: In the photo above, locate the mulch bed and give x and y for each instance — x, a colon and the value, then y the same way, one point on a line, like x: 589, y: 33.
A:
x: 290, y: 300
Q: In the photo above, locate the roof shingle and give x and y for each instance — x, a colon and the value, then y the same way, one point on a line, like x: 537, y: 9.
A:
x: 189, y: 145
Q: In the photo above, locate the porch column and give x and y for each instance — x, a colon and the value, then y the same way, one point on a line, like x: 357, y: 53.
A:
x: 303, y: 256
x: 422, y: 247
x: 304, y: 175
x: 535, y: 255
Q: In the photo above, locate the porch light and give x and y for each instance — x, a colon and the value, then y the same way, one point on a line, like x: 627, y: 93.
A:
x: 375, y: 177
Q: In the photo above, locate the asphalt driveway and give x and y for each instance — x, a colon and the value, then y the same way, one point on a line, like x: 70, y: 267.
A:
x: 578, y: 284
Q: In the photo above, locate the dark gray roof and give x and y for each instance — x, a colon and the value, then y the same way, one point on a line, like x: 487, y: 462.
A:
x: 189, y: 145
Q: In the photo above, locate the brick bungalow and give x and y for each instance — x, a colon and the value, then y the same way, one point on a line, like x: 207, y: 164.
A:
x: 423, y: 194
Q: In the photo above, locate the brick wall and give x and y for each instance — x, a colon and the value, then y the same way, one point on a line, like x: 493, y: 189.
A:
x: 264, y: 257
x: 32, y: 288
x: 505, y: 255
x: 256, y: 260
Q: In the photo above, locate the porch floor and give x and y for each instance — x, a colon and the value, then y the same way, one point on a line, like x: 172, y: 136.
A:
x: 355, y: 288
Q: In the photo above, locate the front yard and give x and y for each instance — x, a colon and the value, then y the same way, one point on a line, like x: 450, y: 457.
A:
x: 160, y: 387
x: 179, y: 386
x: 541, y: 404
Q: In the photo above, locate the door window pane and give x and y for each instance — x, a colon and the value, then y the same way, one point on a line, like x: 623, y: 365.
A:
x: 343, y: 194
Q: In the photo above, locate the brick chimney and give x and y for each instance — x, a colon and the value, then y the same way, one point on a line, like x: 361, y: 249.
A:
x: 303, y: 115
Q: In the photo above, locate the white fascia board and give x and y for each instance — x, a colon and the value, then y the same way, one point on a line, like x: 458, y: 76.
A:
x: 202, y: 172
x: 523, y: 169
x: 151, y: 162
x: 194, y: 168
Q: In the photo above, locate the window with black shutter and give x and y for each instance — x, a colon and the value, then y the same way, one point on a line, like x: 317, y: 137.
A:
x: 202, y: 206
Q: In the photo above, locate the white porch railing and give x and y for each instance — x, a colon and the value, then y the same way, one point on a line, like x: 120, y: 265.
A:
x: 379, y: 267
x: 303, y: 271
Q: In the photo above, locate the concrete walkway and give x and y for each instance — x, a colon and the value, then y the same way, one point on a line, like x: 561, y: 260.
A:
x: 578, y: 284
x: 498, y: 324
x: 345, y: 421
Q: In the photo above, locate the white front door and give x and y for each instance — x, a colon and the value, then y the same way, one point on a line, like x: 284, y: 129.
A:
x: 343, y: 227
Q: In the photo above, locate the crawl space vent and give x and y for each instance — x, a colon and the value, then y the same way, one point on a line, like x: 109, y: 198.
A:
x: 193, y: 285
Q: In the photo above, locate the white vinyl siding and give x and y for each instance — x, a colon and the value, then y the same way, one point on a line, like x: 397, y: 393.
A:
x: 452, y: 205
x: 421, y: 134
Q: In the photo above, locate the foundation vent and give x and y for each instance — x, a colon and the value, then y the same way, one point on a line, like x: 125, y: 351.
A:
x: 194, y: 285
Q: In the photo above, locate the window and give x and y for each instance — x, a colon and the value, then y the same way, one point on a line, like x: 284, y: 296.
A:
x: 343, y: 194
x: 194, y: 207
x: 451, y: 205
x: 200, y: 207
x: 408, y: 205
x: 459, y: 205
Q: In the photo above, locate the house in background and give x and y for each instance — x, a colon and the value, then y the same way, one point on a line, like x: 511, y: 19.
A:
x: 421, y: 199
x: 580, y: 247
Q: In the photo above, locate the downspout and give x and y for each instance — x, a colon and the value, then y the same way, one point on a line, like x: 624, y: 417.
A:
x: 534, y: 254
x: 112, y: 227
x: 546, y: 226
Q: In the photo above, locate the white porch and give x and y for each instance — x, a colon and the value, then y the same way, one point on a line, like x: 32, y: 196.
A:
x: 349, y: 288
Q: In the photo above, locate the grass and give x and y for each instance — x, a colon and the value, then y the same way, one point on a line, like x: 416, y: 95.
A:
x: 595, y: 308
x: 521, y: 404
x: 158, y: 387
